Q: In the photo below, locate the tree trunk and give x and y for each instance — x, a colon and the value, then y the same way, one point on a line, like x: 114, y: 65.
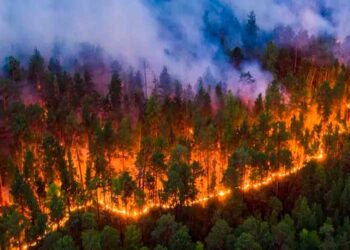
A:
x: 1, y: 198
x: 97, y: 206
x: 79, y: 166
x: 295, y: 59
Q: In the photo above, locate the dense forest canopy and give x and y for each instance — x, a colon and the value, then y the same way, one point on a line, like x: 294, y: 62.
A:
x: 233, y: 133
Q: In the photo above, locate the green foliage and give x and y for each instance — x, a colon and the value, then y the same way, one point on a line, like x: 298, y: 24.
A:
x: 65, y: 243
x: 91, y: 240
x: 88, y: 221
x: 246, y: 242
x: 309, y: 240
x: 36, y: 67
x: 115, y: 91
x: 132, y: 240
x: 124, y: 186
x: 13, y: 68
x: 180, y: 184
x: 218, y: 234
x: 283, y: 234
x: 302, y: 214
x: 55, y: 204
x: 165, y: 228
x: 13, y: 224
x: 181, y: 240
x: 110, y: 239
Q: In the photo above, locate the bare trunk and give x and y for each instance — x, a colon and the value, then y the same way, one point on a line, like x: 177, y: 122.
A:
x: 97, y: 206
x: 1, y: 198
x: 79, y: 166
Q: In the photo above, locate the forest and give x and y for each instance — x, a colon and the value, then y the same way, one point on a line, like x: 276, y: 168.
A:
x: 165, y: 164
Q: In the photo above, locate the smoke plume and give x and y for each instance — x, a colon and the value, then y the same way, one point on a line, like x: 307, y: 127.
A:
x: 183, y: 35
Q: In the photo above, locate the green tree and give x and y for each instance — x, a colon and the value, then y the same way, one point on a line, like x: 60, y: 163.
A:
x: 235, y: 171
x: 15, y: 223
x: 91, y: 240
x: 28, y: 165
x: 246, y: 242
x: 37, y: 227
x: 180, y: 184
x: 259, y: 230
x: 13, y: 68
x: 124, y: 136
x: 124, y: 186
x: 324, y: 99
x: 302, y: 214
x: 65, y: 243
x: 165, y: 228
x: 88, y: 221
x: 36, y: 67
x: 55, y: 204
x: 110, y: 239
x: 250, y: 35
x: 132, y: 238
x: 216, y: 239
x: 270, y: 57
x: 283, y: 234
x: 309, y: 240
x: 181, y: 240
x: 165, y: 82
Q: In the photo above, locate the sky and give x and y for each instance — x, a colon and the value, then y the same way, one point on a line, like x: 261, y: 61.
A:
x: 179, y: 34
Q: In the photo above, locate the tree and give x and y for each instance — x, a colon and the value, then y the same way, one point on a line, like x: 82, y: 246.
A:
x: 258, y: 105
x: 115, y: 92
x: 165, y: 228
x: 22, y: 192
x: 109, y: 140
x: 124, y: 186
x: 13, y: 68
x: 235, y: 171
x: 165, y: 82
x: 132, y: 240
x: 110, y: 239
x: 271, y: 57
x: 246, y: 242
x: 37, y: 226
x: 276, y: 207
x: 180, y: 184
x: 124, y: 138
x: 302, y: 214
x: 283, y: 234
x: 181, y: 240
x: 55, y: 66
x: 36, y: 67
x: 236, y: 56
x: 15, y: 223
x: 274, y: 101
x: 65, y: 243
x: 158, y: 167
x: 216, y: 239
x: 55, y: 204
x: 309, y: 240
x: 54, y: 161
x: 324, y: 99
x: 250, y: 35
x: 28, y: 165
x: 88, y: 221
x: 345, y: 198
x: 259, y: 230
x: 91, y: 240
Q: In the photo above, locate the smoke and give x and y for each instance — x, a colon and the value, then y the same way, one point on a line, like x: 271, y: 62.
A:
x: 183, y: 35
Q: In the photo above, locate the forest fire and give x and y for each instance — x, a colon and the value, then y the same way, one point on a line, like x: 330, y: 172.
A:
x: 228, y: 146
